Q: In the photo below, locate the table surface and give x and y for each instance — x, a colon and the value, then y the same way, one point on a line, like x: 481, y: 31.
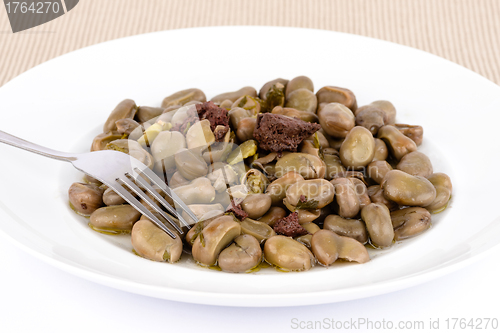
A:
x: 38, y: 297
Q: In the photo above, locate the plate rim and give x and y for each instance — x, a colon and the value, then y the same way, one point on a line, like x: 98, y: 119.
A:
x: 203, y: 297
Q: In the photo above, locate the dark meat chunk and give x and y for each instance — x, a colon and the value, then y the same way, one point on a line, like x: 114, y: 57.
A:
x: 289, y: 226
x: 276, y: 132
x: 238, y: 212
x: 220, y: 133
x: 214, y: 114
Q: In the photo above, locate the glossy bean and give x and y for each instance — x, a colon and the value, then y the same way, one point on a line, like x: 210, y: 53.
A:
x: 183, y: 97
x: 85, y: 198
x: 378, y: 223
x: 405, y: 189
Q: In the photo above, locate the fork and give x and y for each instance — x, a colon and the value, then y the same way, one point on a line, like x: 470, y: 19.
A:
x: 118, y: 170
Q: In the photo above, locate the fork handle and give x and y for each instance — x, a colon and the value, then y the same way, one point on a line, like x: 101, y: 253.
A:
x: 34, y: 148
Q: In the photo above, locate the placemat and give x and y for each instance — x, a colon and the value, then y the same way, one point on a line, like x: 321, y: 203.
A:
x: 464, y: 31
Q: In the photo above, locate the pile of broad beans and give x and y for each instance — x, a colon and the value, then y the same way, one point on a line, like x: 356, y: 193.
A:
x: 284, y: 176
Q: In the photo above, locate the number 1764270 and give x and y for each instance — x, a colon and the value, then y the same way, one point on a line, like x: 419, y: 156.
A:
x: 32, y: 7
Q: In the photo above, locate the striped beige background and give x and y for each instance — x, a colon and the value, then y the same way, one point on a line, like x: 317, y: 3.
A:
x: 464, y: 31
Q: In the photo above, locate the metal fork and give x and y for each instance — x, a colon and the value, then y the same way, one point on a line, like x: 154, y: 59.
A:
x: 118, y: 170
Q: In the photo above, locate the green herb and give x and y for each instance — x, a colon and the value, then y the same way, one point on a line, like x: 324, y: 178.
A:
x: 275, y: 97
x: 198, y: 228
x: 309, y: 204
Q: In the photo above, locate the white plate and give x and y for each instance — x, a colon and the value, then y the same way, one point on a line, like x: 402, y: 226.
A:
x: 62, y: 103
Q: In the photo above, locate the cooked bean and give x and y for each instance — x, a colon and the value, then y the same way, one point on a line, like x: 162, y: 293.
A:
x: 226, y: 104
x: 377, y: 170
x: 408, y: 190
x: 310, y: 117
x: 381, y: 151
x: 255, y: 181
x: 150, y: 134
x: 347, y: 227
x: 416, y: 164
x: 398, y: 144
x: 111, y: 198
x: 333, y: 164
x: 190, y: 163
x: 152, y: 243
x: 320, y: 139
x: 114, y: 219
x: 196, y: 230
x: 101, y: 141
x: 414, y: 132
x: 358, y: 148
x: 134, y: 149
x: 346, y: 197
x: 311, y: 227
x: 256, y: 205
x: 199, y: 135
x: 246, y: 126
x: 214, y: 238
x: 183, y: 97
x: 265, y: 88
x: 371, y: 119
x: 273, y: 215
x: 234, y: 95
x: 91, y: 180
x: 310, y: 194
x: 305, y: 240
x: 126, y: 126
x: 244, y: 254
x: 200, y: 211
x: 376, y: 195
x: 277, y: 189
x: 308, y: 166
x: 388, y: 108
x: 217, y: 152
x: 442, y: 184
x: 361, y: 191
x: 325, y: 246
x: 343, y: 96
x: 248, y: 103
x: 378, y: 223
x: 308, y: 147
x: 302, y: 99
x: 260, y: 230
x: 307, y: 215
x: 85, y: 198
x: 164, y: 148
x: 182, y: 114
x: 410, y: 222
x: 352, y: 250
x: 222, y: 176
x: 223, y: 198
x: 237, y: 114
x: 288, y: 254
x: 199, y: 191
x: 177, y: 180
x: 334, y: 143
x: 336, y: 119
x: 300, y: 82
x: 125, y: 109
x: 145, y: 113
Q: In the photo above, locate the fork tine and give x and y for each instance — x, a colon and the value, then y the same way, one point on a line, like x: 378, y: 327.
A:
x: 161, y: 184
x: 126, y: 181
x: 162, y: 200
x: 140, y: 207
